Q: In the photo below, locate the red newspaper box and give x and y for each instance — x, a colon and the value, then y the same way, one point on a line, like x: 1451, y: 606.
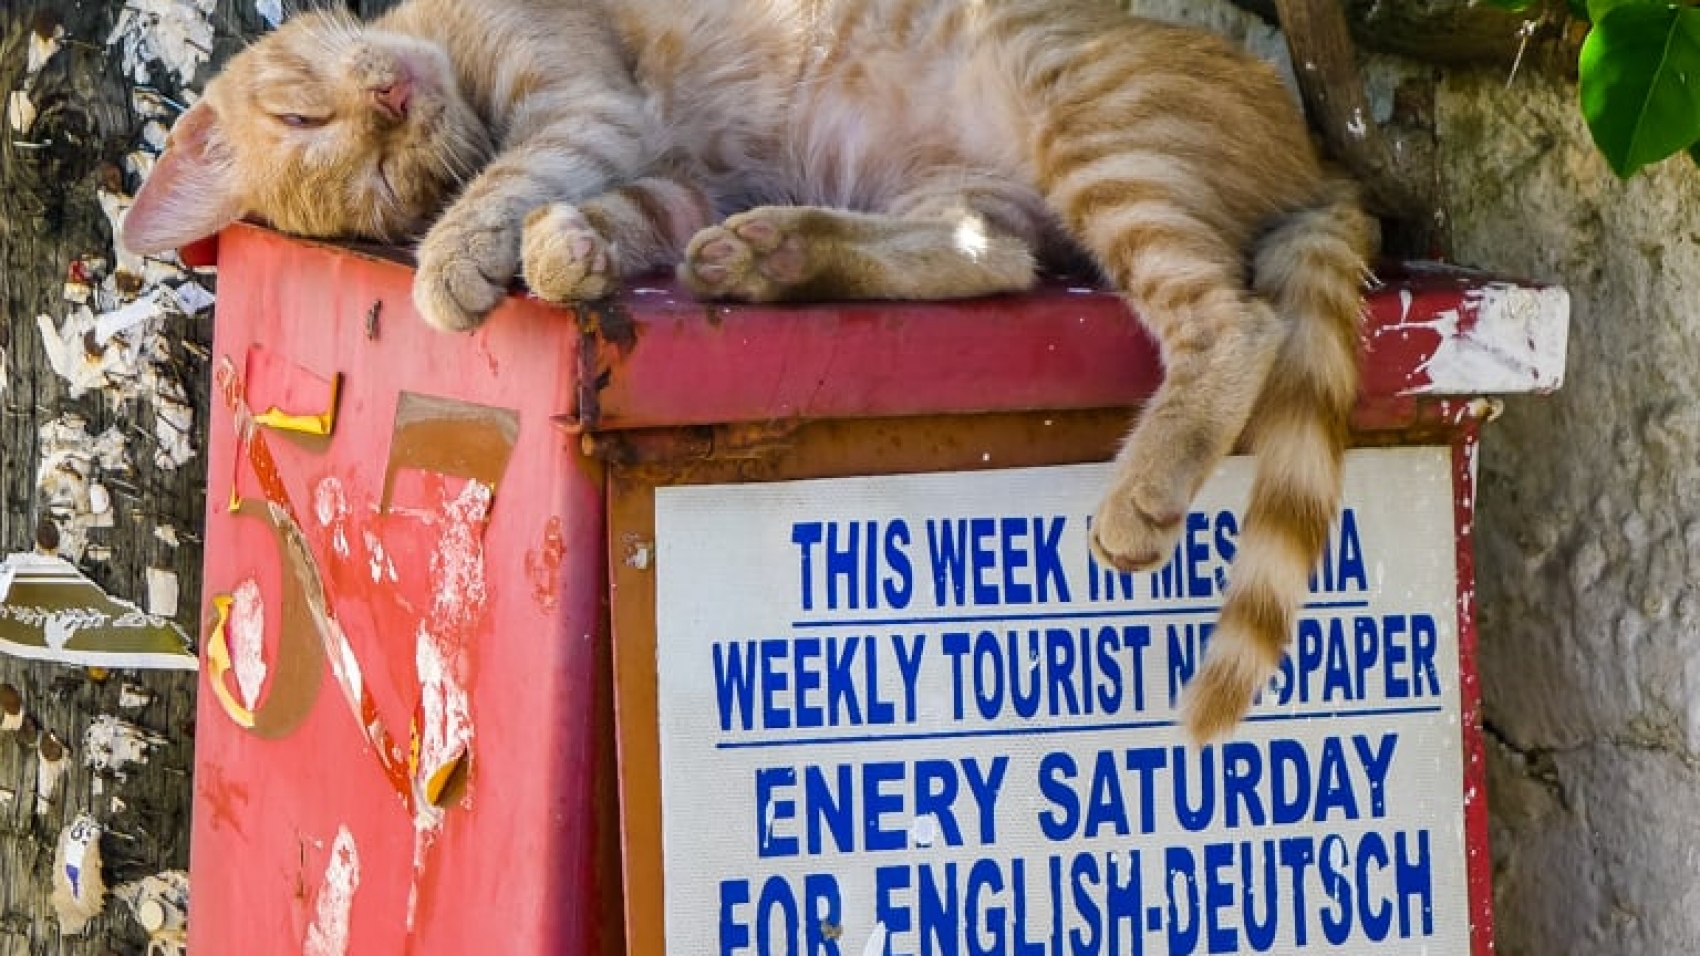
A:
x: 872, y: 694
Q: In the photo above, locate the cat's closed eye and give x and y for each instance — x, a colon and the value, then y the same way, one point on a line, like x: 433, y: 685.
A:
x: 302, y: 120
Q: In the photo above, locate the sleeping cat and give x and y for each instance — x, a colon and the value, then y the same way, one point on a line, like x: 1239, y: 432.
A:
x: 871, y: 149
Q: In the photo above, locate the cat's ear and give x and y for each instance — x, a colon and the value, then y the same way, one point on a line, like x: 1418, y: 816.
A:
x: 191, y: 192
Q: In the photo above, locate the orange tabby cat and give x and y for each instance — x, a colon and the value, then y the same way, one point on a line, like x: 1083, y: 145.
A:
x: 858, y: 149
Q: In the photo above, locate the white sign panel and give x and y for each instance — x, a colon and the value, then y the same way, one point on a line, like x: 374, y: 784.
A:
x: 909, y: 715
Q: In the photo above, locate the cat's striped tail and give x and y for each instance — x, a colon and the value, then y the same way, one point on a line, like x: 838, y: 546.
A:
x: 1310, y: 268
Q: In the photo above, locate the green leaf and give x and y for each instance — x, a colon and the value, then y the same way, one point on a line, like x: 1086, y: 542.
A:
x: 1640, y: 80
x: 1694, y: 153
x: 1597, y: 9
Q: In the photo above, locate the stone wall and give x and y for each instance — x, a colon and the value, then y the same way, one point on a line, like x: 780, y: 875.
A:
x: 1588, y: 531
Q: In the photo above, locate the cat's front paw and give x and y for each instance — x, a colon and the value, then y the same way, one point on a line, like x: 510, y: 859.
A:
x: 1138, y: 523
x: 464, y: 272
x: 565, y: 259
x: 755, y: 256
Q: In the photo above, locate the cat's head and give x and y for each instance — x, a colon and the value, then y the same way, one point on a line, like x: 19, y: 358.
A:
x: 325, y: 127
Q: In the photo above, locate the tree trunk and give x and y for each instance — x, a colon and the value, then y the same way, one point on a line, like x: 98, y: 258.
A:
x: 103, y: 470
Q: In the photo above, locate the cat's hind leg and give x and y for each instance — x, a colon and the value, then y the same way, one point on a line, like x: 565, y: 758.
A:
x: 579, y: 251
x: 1218, y: 343
x: 937, y: 241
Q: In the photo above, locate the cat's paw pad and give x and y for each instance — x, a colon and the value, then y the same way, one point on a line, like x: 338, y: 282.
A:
x: 753, y: 256
x: 463, y: 274
x: 1137, y: 526
x: 565, y: 258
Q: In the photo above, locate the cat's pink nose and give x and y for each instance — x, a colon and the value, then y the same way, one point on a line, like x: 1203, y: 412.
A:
x: 392, y: 99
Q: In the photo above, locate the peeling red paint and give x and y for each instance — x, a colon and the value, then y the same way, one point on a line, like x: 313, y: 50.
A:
x: 387, y: 537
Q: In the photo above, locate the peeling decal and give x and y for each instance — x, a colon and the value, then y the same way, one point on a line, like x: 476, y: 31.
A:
x: 328, y: 934
x: 442, y: 737
x: 49, y: 611
x: 876, y: 941
x: 924, y: 831
x: 457, y: 568
x: 378, y: 561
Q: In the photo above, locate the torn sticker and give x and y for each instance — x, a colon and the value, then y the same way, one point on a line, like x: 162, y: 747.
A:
x: 79, y: 891
x: 271, y: 11
x: 123, y: 352
x: 159, y: 902
x: 49, y: 611
x: 69, y: 479
x: 248, y: 641
x: 133, y: 696
x: 43, y: 45
x: 112, y: 746
x: 20, y: 112
x: 175, y: 33
x: 162, y: 592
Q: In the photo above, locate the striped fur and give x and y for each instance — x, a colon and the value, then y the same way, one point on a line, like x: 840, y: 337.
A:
x: 809, y: 149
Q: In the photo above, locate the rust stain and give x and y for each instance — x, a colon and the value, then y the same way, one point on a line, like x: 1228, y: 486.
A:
x: 543, y: 565
x: 609, y: 322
